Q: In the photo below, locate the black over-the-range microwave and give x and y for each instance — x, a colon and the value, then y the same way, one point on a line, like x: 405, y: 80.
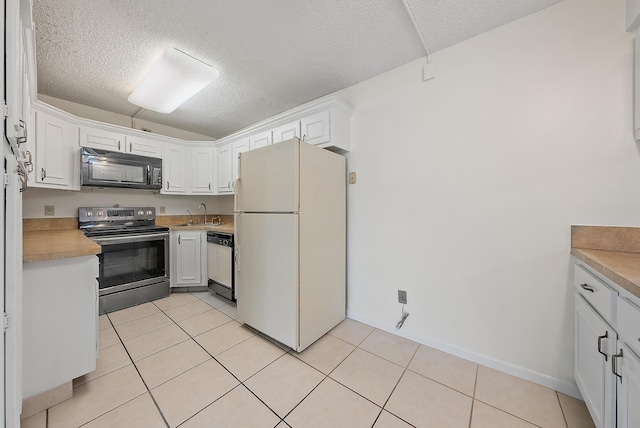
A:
x: 103, y: 168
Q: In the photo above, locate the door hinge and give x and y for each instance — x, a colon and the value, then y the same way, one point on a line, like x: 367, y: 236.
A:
x: 5, y: 180
x: 6, y: 110
x: 6, y: 322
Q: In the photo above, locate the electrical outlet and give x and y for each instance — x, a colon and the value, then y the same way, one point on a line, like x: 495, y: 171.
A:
x: 49, y: 210
x: 352, y: 178
x: 163, y: 210
x: 402, y: 296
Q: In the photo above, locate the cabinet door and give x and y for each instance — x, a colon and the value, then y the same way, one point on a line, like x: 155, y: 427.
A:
x: 224, y: 168
x: 173, y: 168
x: 595, y: 343
x: 239, y: 146
x: 286, y: 132
x: 201, y: 170
x: 316, y: 129
x: 188, y: 254
x: 260, y: 140
x: 56, y: 152
x: 143, y: 146
x: 101, y: 139
x: 628, y: 389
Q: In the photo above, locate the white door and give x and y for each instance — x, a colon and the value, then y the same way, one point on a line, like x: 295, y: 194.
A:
x: 189, y: 269
x: 286, y: 132
x: 267, y: 274
x: 143, y: 147
x: 101, y: 139
x: 269, y: 179
x: 200, y: 170
x: 259, y: 140
x: 238, y: 147
x: 316, y: 129
x: 628, y: 389
x: 594, y: 343
x: 54, y: 156
x: 174, y: 162
x: 224, y: 169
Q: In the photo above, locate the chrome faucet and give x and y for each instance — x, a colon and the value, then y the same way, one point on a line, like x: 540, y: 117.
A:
x: 205, y: 211
x: 191, y: 217
x: 216, y: 221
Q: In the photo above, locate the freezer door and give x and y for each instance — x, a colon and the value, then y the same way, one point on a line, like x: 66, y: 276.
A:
x: 267, y: 274
x: 268, y: 179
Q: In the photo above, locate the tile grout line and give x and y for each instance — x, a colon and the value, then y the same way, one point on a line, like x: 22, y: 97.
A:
x: 564, y: 416
x: 141, y: 378
x: 241, y: 383
x: 473, y: 397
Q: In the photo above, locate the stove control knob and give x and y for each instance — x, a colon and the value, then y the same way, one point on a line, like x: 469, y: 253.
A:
x: 149, y: 212
x: 100, y: 213
x: 140, y: 212
x: 89, y: 214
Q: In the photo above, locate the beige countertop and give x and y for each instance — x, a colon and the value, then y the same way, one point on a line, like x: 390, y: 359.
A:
x: 614, y: 252
x: 177, y: 222
x: 225, y: 227
x: 42, y: 245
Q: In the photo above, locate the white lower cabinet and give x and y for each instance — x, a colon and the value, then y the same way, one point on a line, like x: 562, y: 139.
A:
x: 628, y: 387
x: 188, y: 258
x: 60, y: 322
x: 593, y: 341
x: 607, y: 342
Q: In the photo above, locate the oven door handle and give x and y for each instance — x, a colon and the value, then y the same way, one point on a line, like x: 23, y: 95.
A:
x: 131, y: 238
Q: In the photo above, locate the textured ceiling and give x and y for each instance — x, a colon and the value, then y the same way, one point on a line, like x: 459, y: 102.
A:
x: 272, y: 55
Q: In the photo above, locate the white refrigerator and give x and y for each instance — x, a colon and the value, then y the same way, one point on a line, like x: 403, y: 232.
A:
x: 290, y: 218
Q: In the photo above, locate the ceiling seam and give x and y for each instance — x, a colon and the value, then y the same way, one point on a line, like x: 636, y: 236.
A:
x: 417, y: 28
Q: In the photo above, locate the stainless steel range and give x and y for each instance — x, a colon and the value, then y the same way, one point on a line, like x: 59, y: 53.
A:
x: 134, y: 263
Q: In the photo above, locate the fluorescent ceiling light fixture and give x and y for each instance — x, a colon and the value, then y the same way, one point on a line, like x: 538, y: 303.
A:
x: 172, y: 80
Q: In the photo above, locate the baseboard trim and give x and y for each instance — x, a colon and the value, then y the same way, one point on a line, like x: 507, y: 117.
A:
x: 568, y: 388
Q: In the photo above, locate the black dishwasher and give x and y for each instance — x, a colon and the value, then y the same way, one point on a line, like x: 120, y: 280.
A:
x: 220, y: 264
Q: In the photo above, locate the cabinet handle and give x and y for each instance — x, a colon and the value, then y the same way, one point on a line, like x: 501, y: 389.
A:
x: 614, y: 364
x: 229, y: 185
x: 118, y: 144
x: 178, y: 239
x: 209, y: 186
x: 167, y: 184
x: 604, y: 336
x: 130, y: 148
x: 587, y: 287
x: 29, y: 163
x: 44, y: 174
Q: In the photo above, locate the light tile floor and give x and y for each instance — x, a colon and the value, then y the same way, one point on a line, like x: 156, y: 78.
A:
x: 184, y: 361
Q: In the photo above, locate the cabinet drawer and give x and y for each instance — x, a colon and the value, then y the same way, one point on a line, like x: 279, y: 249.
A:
x: 599, y: 295
x: 629, y: 323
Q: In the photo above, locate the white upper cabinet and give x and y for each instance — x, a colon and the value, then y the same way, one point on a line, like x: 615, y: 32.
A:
x: 57, y: 155
x: 174, y: 169
x: 224, y: 170
x: 143, y: 146
x: 99, y: 138
x: 259, y: 140
x: 201, y: 170
x: 239, y: 146
x: 102, y: 139
x: 316, y: 128
x: 286, y: 132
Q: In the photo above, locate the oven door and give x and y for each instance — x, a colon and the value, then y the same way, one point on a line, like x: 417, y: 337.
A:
x: 131, y: 261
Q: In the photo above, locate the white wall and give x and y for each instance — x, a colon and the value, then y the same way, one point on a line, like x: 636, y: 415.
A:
x: 468, y: 184
x: 67, y: 202
x: 100, y: 115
